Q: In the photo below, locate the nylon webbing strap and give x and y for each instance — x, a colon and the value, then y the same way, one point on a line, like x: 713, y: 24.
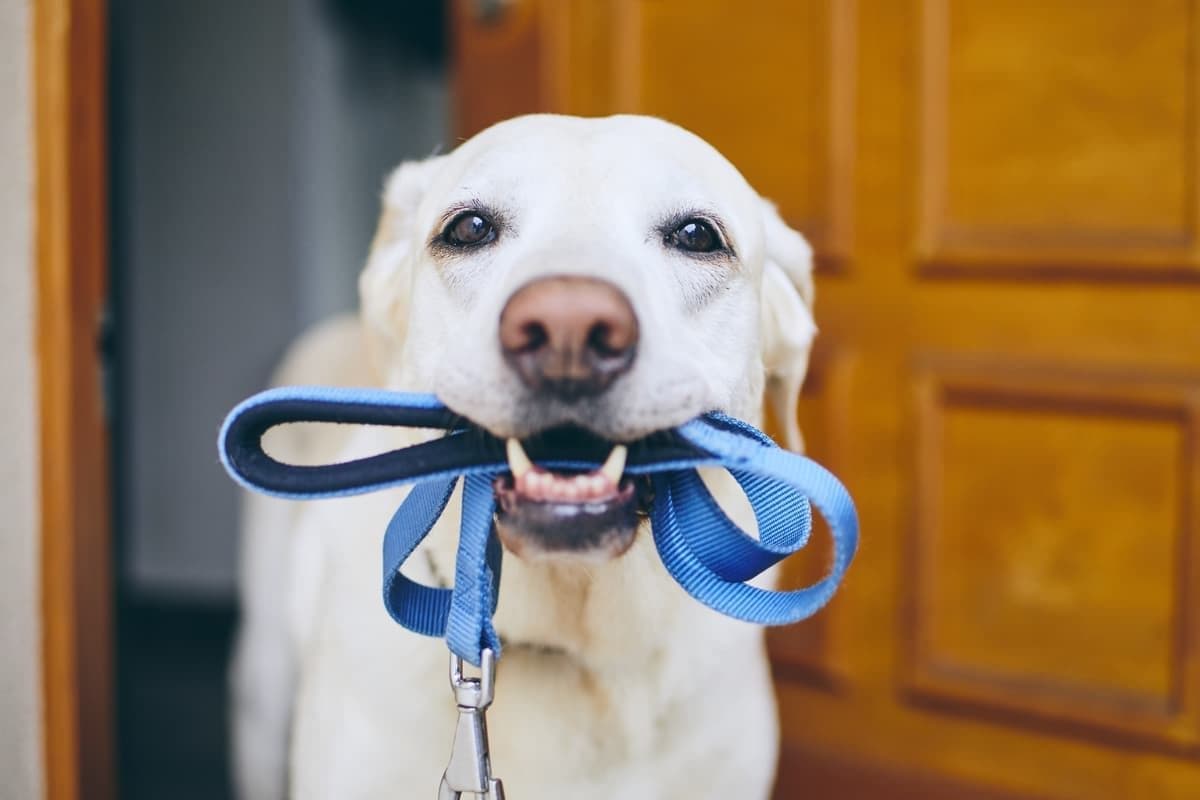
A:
x: 701, y: 548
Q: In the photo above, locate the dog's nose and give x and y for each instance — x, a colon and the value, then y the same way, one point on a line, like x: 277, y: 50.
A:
x: 569, y: 336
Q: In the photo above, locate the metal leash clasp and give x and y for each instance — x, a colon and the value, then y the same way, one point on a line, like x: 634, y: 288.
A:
x: 470, y: 767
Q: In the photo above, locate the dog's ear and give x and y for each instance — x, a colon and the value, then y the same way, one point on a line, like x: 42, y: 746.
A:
x: 385, y: 285
x: 787, y: 322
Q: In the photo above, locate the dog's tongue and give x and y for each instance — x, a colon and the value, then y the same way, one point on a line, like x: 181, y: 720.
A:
x: 541, y: 485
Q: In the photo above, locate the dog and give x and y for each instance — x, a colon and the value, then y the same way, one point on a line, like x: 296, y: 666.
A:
x: 615, y: 275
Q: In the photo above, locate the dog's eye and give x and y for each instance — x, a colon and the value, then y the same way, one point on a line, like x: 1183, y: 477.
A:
x: 469, y: 229
x: 695, y: 236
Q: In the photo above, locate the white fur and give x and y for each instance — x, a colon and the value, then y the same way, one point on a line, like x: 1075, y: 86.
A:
x: 613, y: 683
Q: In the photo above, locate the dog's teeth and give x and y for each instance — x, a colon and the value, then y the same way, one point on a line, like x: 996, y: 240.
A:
x: 614, y: 466
x: 583, y: 485
x: 518, y: 462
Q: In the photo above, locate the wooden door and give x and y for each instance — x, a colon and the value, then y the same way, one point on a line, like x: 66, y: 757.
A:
x: 69, y: 42
x: 1004, y: 199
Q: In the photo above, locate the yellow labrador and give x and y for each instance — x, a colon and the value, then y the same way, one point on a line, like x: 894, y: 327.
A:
x: 617, y: 275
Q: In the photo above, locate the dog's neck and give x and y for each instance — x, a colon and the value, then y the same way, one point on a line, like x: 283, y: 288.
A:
x: 598, y: 615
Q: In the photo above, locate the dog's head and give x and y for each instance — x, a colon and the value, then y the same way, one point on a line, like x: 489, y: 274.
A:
x: 559, y: 276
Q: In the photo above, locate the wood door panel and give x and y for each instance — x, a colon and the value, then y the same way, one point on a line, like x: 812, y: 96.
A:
x: 1053, y: 548
x: 1059, y: 132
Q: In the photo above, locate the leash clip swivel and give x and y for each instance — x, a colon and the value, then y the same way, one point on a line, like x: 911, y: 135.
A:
x: 470, y: 767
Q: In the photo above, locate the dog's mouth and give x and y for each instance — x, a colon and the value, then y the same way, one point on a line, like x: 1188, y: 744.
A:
x: 569, y: 513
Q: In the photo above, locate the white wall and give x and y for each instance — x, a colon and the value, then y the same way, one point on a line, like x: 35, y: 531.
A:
x: 20, y: 645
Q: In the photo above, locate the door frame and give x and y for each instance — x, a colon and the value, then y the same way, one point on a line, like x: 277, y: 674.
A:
x: 69, y: 75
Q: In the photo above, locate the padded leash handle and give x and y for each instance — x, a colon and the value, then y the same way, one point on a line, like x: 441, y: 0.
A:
x: 464, y: 450
x: 240, y: 441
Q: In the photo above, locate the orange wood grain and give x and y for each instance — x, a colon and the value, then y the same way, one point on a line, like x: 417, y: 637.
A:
x: 70, y: 93
x: 1123, y: 91
x: 1100, y: 557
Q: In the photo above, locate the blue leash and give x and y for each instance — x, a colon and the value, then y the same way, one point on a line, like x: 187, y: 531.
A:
x: 701, y: 548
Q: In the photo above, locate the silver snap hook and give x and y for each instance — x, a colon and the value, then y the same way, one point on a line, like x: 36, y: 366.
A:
x: 470, y: 767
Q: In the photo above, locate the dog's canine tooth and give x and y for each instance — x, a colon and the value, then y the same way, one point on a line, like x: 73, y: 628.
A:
x: 518, y: 462
x: 614, y: 466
